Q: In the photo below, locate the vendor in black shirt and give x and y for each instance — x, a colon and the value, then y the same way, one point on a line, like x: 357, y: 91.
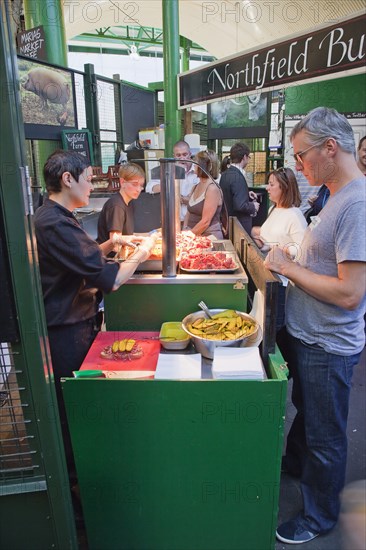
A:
x: 73, y: 268
x: 117, y: 213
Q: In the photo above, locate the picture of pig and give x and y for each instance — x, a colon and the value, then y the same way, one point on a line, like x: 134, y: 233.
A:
x: 54, y: 88
x: 49, y: 85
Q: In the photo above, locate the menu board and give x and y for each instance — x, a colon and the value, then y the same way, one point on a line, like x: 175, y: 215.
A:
x: 78, y: 141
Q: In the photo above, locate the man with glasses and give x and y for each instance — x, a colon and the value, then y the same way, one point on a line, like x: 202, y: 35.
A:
x: 184, y: 172
x: 240, y: 202
x: 324, y: 317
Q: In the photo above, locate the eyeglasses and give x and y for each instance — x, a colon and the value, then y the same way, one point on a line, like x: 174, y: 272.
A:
x: 298, y: 156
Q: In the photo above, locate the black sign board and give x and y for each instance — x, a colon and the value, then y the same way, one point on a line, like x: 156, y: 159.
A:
x: 78, y: 141
x: 323, y: 52
x: 31, y: 43
x: 138, y: 110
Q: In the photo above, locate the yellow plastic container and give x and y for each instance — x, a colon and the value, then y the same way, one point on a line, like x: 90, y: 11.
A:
x: 173, y: 337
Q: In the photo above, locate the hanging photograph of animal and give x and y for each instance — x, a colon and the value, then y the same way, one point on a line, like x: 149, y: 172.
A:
x: 47, y: 96
x: 239, y: 117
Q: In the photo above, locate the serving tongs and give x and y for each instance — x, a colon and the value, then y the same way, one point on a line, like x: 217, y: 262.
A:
x: 204, y: 308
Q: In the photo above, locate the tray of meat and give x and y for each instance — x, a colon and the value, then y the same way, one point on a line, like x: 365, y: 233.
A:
x: 188, y: 243
x: 208, y: 262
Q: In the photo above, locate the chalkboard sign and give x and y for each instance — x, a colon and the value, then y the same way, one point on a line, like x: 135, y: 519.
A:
x: 31, y: 43
x: 78, y: 141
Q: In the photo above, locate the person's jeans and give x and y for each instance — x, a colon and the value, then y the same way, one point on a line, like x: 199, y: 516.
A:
x: 317, y: 441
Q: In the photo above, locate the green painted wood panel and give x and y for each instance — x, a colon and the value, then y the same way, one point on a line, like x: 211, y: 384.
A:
x: 346, y: 94
x: 170, y: 465
x: 147, y: 306
x: 26, y: 522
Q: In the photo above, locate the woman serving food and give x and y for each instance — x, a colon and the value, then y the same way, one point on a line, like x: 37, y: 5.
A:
x: 73, y: 269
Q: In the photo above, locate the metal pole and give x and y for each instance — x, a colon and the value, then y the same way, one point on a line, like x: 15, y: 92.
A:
x: 186, y: 44
x: 49, y: 14
x: 92, y: 109
x: 172, y: 119
x: 167, y: 196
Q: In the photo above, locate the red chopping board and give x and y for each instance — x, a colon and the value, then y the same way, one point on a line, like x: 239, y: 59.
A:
x: 148, y: 362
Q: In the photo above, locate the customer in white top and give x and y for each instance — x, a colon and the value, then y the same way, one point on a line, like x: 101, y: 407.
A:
x: 181, y: 151
x: 285, y: 225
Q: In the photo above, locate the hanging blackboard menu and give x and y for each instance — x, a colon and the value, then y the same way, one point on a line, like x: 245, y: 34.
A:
x: 78, y: 141
x: 31, y: 43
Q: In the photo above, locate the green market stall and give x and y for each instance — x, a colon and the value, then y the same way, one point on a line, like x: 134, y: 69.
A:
x: 172, y: 464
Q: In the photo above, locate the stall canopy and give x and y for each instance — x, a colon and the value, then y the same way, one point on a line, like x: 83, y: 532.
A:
x: 221, y: 27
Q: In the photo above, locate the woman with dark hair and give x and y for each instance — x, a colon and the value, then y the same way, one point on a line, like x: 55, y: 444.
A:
x: 73, y: 269
x: 205, y: 203
x: 285, y: 225
x: 225, y: 163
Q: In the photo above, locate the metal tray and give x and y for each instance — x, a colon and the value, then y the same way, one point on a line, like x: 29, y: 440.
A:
x: 213, y: 270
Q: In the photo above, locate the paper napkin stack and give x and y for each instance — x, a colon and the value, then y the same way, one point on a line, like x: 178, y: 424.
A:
x: 238, y: 364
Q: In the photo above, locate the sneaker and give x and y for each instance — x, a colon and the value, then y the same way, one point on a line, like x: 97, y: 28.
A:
x: 292, y: 532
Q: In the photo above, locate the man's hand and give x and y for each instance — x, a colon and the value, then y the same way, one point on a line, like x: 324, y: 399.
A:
x: 256, y: 206
x: 277, y: 260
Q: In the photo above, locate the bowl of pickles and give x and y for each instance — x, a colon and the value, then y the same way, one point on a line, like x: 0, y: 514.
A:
x: 228, y: 327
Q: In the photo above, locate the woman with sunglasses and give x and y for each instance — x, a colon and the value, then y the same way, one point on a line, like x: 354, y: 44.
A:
x: 116, y: 216
x: 205, y: 202
x: 285, y: 225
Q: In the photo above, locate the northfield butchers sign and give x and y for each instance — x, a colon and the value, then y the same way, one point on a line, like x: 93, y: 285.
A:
x: 326, y: 51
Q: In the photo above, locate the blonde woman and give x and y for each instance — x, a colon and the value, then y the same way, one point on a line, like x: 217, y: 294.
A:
x: 205, y: 202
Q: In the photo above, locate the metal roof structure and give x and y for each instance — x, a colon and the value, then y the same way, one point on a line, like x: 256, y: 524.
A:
x: 222, y: 27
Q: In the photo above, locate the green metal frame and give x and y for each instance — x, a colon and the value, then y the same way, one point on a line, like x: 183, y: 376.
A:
x: 171, y: 70
x: 129, y: 34
x: 92, y: 110
x: 40, y: 506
